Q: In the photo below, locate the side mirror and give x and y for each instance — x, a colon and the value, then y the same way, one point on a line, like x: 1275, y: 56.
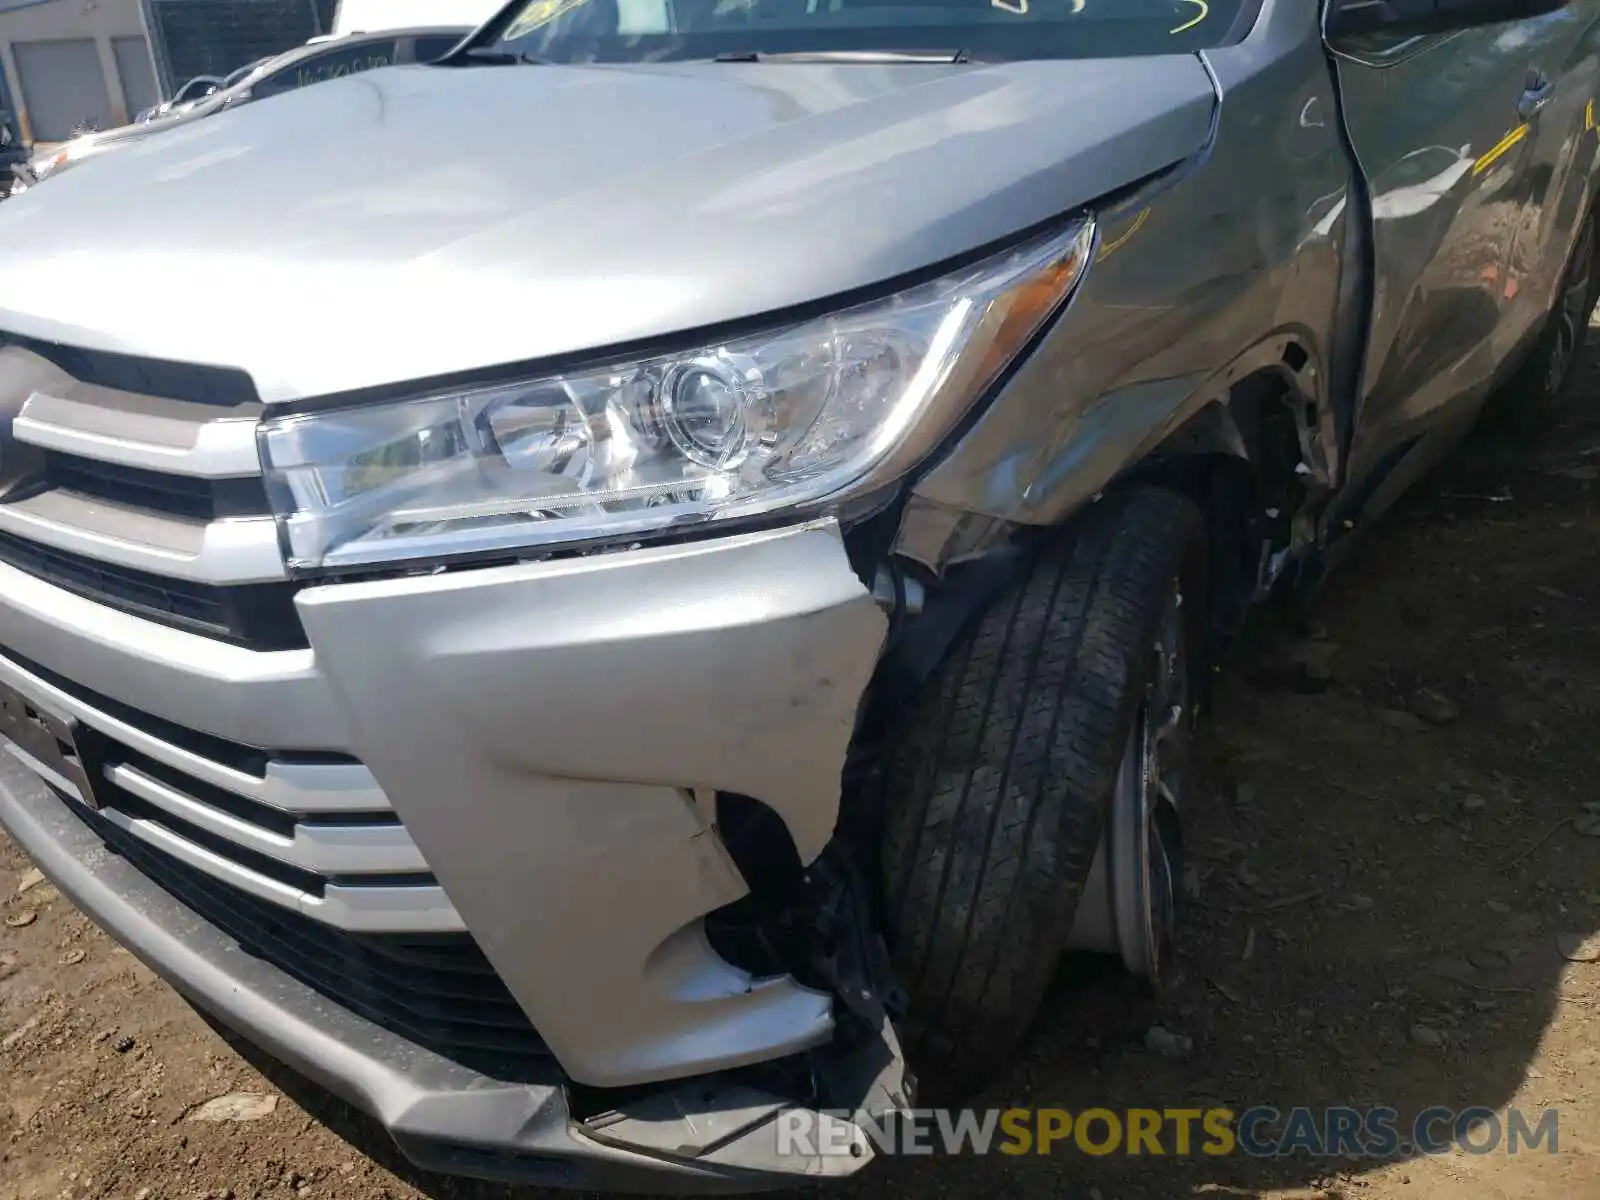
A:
x: 1359, y: 18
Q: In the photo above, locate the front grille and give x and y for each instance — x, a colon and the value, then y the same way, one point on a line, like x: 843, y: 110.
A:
x: 437, y: 991
x: 107, y: 754
x: 186, y: 496
x: 246, y: 760
x: 259, y: 615
x: 300, y: 859
x: 137, y: 483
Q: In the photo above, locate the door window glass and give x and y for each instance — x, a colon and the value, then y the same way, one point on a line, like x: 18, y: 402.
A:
x: 431, y: 47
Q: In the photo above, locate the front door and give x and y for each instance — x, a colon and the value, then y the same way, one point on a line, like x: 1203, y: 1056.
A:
x: 1435, y: 128
x: 1559, y: 107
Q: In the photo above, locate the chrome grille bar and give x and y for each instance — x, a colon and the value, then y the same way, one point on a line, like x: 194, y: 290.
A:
x: 365, y: 849
x: 132, y: 431
x: 288, y: 816
x: 237, y: 550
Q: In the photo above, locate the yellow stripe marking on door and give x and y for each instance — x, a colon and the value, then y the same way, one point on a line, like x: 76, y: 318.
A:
x: 1499, y: 148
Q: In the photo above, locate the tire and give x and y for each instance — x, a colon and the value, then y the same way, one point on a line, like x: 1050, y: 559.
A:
x: 997, y: 789
x: 1541, y: 385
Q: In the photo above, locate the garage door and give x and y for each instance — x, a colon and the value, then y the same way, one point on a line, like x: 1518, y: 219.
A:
x: 61, y: 84
x: 137, y: 72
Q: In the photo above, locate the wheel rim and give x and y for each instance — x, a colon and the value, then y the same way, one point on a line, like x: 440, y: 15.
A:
x: 1572, y: 315
x: 1143, y: 841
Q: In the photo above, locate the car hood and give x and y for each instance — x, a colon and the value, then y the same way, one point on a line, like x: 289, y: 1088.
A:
x: 119, y: 135
x: 90, y: 145
x: 416, y: 221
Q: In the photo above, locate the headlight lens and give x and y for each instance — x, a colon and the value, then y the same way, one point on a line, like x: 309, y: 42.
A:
x: 46, y: 163
x: 796, y: 418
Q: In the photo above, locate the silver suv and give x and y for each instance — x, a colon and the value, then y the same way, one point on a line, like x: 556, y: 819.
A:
x: 677, y: 573
x: 318, y: 61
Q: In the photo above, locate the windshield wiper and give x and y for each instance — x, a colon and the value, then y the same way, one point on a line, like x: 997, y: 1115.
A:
x: 845, y: 56
x: 483, y: 56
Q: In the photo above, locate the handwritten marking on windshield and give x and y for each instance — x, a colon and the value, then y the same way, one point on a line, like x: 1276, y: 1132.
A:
x: 1019, y: 7
x: 1205, y: 11
x: 540, y: 12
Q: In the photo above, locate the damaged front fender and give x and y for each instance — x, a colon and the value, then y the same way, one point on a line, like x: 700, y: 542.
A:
x: 1197, y: 271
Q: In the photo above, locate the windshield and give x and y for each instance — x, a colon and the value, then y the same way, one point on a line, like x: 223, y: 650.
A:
x: 656, y: 30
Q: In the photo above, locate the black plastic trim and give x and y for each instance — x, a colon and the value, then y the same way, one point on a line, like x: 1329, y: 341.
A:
x: 185, y: 496
x: 223, y: 387
x: 258, y: 616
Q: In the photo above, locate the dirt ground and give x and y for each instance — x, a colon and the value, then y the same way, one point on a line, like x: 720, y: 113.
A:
x: 1382, y: 888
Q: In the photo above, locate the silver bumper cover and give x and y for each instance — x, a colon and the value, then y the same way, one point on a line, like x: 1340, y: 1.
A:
x: 548, y: 736
x: 543, y: 731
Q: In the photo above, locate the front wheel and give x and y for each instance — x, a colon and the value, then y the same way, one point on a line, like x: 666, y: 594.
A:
x: 1032, y: 800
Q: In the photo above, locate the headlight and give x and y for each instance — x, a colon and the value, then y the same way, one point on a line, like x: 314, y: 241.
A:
x: 44, y: 164
x: 797, y: 418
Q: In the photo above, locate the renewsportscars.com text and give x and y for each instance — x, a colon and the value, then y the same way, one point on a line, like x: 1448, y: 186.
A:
x: 1260, y: 1132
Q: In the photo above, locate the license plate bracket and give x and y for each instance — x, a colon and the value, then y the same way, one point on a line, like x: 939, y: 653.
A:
x: 49, y: 739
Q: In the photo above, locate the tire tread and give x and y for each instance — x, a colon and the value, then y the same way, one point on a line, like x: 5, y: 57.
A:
x: 995, y: 794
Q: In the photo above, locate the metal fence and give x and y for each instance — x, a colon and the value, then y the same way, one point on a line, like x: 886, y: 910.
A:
x: 213, y: 37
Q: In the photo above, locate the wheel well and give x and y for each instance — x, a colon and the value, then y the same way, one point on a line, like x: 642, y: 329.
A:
x: 1247, y: 461
x: 1241, y: 459
x: 1250, y: 461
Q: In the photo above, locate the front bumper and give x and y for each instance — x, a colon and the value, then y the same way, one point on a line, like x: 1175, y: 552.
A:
x: 444, y: 1117
x: 552, y: 737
